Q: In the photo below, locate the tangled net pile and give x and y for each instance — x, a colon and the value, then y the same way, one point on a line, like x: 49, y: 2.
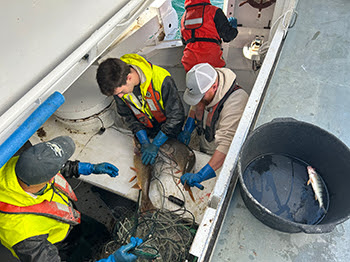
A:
x: 167, y: 235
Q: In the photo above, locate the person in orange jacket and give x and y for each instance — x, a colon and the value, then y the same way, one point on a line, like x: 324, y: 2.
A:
x: 203, y: 28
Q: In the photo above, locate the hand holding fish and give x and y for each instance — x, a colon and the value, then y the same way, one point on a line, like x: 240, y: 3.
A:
x: 149, y: 154
x: 150, y: 151
x: 181, y: 155
x: 191, y: 180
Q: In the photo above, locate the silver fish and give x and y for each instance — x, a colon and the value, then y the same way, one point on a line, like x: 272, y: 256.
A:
x: 316, y: 185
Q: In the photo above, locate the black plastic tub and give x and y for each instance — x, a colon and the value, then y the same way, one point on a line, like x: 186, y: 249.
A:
x: 273, y: 176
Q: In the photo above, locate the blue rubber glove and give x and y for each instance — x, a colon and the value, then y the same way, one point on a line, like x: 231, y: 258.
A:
x: 150, y: 151
x: 102, y: 168
x: 185, y: 135
x: 122, y: 255
x: 232, y: 21
x: 143, y: 139
x: 191, y: 179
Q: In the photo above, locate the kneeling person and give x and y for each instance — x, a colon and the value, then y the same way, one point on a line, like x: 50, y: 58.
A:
x: 36, y: 201
x: 217, y: 106
x: 147, y: 99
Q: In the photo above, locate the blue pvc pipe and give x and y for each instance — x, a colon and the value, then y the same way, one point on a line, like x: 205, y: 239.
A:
x: 30, y: 126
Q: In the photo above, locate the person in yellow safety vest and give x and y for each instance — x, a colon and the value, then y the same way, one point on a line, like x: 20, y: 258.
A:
x: 36, y: 201
x: 146, y: 97
x: 217, y: 106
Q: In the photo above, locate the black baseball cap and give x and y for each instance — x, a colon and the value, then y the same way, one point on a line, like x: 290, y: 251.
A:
x: 42, y: 161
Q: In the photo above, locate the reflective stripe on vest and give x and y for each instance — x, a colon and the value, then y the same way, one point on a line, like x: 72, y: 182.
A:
x: 62, y: 185
x: 53, y: 210
x: 212, y: 117
x: 152, y: 98
x: 141, y: 116
x: 193, y: 22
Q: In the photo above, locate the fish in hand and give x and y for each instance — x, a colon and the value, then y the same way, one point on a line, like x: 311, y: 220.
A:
x: 316, y: 184
x: 183, y: 157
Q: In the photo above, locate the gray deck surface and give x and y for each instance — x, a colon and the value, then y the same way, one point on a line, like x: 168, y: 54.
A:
x: 311, y: 84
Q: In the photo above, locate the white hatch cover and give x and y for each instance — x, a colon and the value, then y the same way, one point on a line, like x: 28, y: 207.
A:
x: 83, y: 98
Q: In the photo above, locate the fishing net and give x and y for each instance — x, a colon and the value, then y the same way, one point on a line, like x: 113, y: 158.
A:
x: 167, y: 235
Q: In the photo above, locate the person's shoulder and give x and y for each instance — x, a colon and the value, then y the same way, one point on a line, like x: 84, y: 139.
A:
x: 220, y: 16
x: 161, y: 70
x: 237, y: 98
x: 228, y: 73
x: 241, y: 92
x: 214, y: 9
x: 218, y: 10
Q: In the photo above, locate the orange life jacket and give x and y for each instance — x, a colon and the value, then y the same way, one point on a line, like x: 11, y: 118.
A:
x: 199, y: 34
x: 197, y: 24
x: 152, y: 99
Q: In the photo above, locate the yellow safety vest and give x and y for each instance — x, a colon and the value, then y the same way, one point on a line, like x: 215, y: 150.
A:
x: 152, y: 100
x: 14, y: 228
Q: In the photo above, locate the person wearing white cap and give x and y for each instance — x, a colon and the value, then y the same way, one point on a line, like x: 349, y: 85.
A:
x: 36, y: 206
x: 217, y: 106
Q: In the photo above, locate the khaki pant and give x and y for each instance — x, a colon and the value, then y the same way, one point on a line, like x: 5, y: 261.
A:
x: 199, y: 143
x: 205, y: 146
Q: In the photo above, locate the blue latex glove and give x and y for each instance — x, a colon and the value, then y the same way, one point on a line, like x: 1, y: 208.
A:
x: 150, y: 151
x: 122, y: 255
x: 102, y: 168
x: 191, y: 179
x: 232, y: 21
x: 185, y: 135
